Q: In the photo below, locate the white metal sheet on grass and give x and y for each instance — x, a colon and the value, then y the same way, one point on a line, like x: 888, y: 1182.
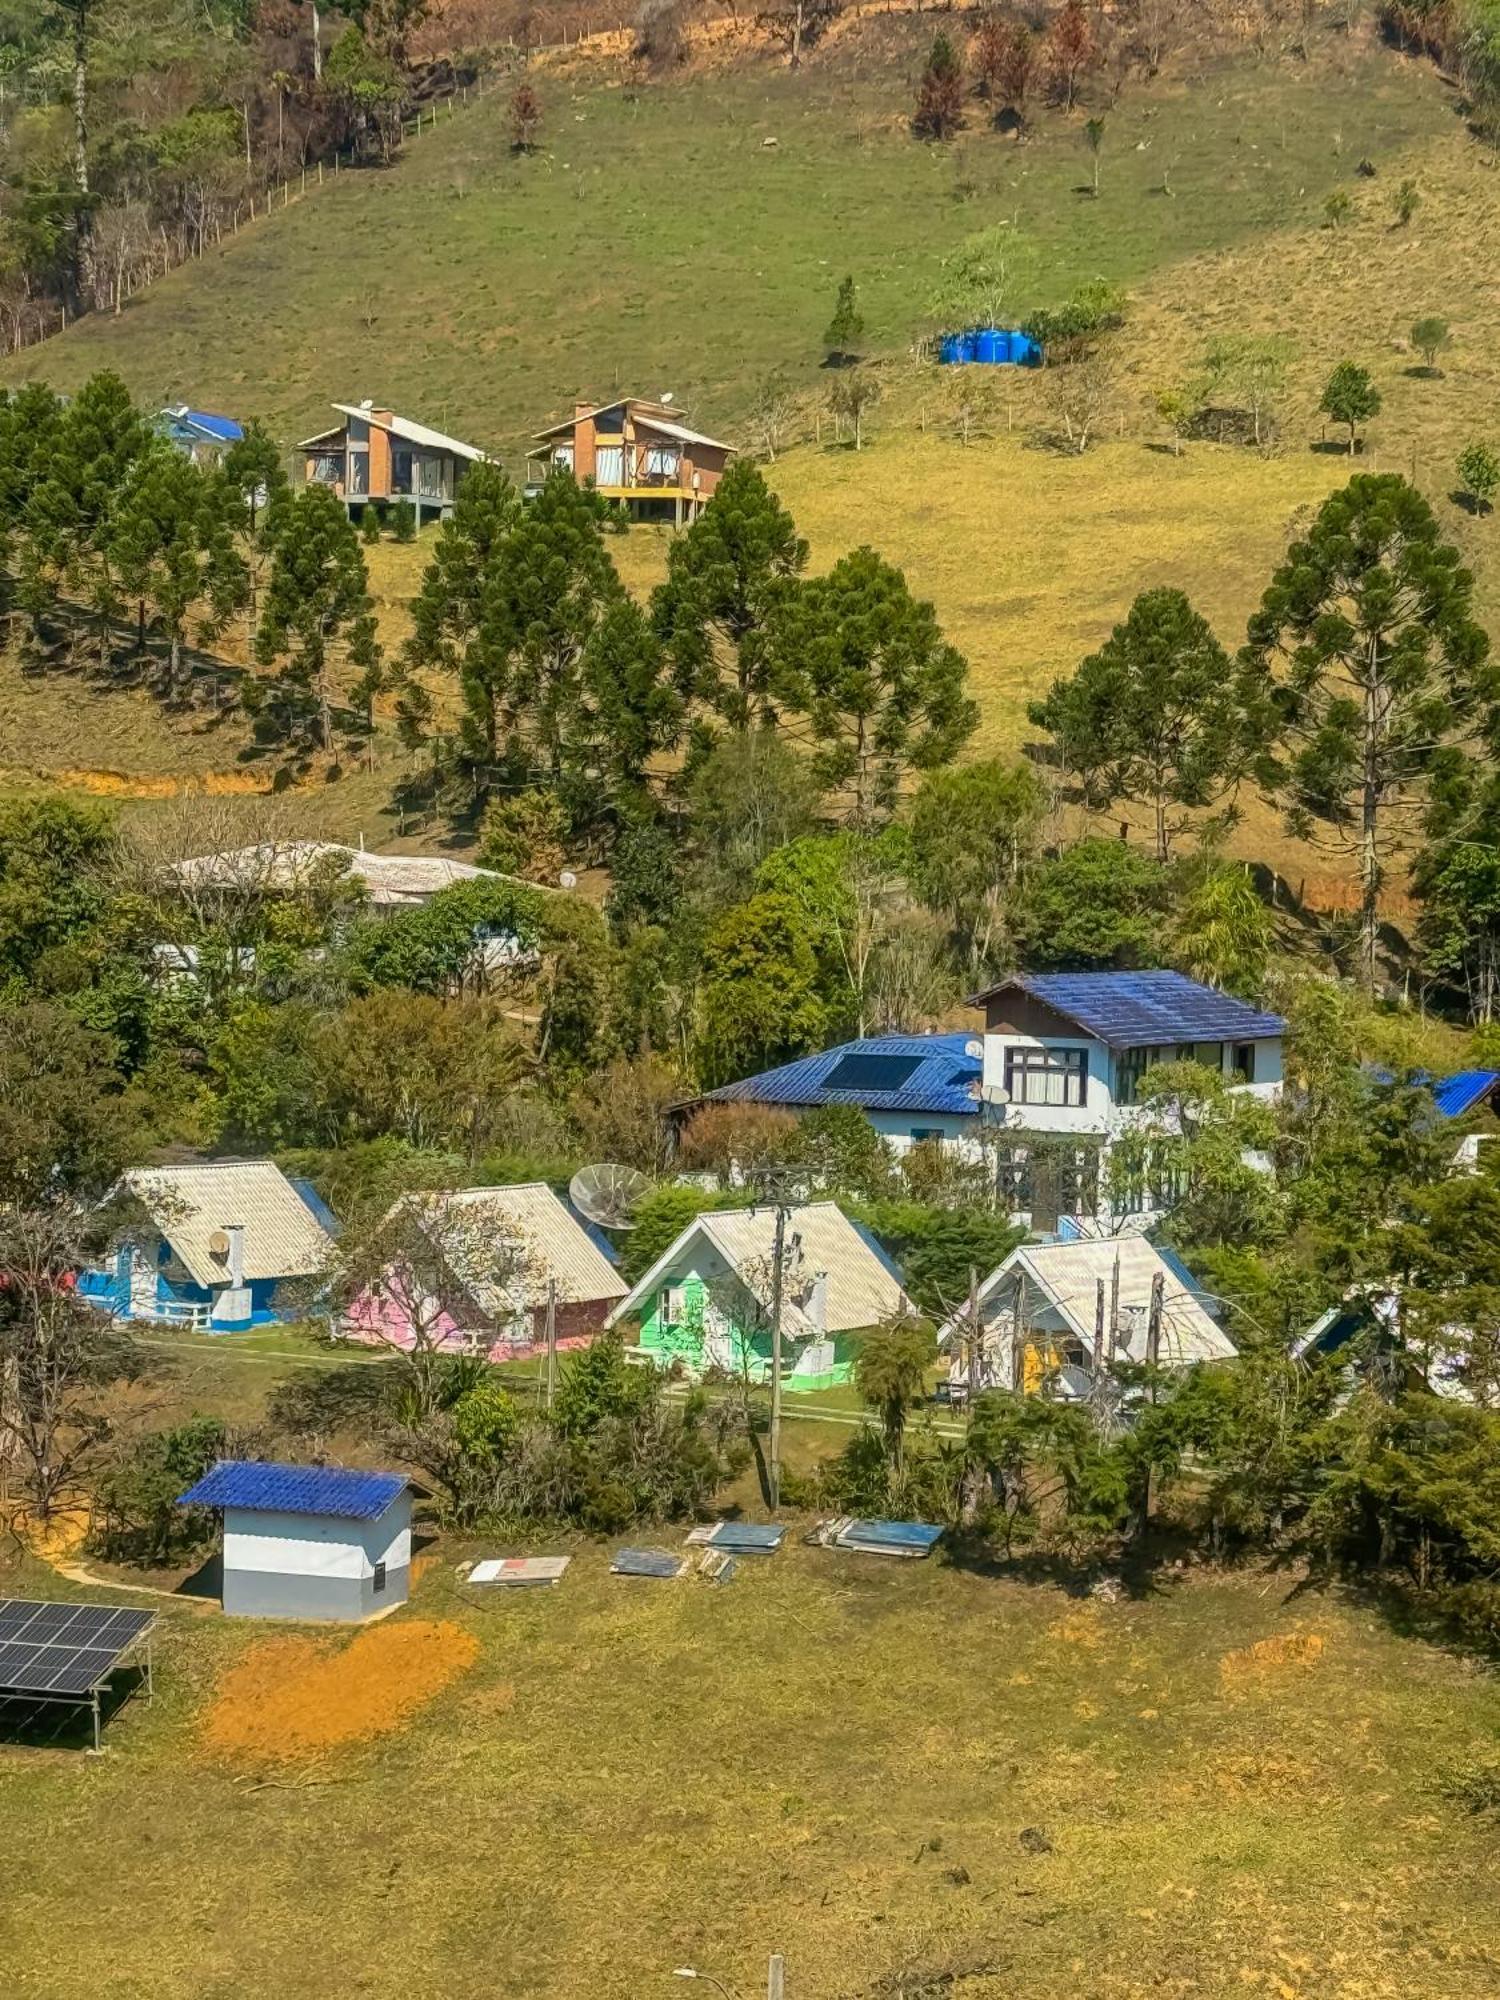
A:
x: 519, y: 1570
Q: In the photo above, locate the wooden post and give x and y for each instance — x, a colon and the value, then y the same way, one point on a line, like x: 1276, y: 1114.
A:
x: 776, y: 1978
x: 1099, y: 1327
x: 1114, y: 1308
x: 778, y: 1253
x: 975, y: 1335
x: 551, y: 1340
x: 1153, y: 1327
x: 320, y: 173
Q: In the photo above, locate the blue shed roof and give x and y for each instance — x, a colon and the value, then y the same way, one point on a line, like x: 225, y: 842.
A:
x: 344, y: 1492
x: 1454, y: 1095
x: 927, y: 1073
x: 1142, y: 1010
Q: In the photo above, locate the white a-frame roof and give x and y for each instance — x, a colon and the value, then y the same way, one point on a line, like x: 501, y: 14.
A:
x: 1054, y: 1287
x: 863, y: 1286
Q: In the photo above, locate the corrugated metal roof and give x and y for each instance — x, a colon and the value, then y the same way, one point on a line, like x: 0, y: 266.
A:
x: 946, y: 1080
x: 652, y: 414
x: 1142, y: 1010
x: 223, y: 429
x: 547, y: 1240
x: 864, y: 1287
x: 1454, y: 1095
x: 287, y: 864
x: 344, y: 1492
x: 283, y: 1238
x: 410, y: 431
x: 1068, y: 1275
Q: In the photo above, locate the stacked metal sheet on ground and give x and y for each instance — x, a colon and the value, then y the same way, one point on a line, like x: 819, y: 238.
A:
x: 649, y: 1562
x: 519, y: 1572
x: 913, y: 1539
x: 740, y: 1538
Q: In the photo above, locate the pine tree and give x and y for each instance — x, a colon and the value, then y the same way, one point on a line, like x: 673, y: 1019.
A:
x: 866, y: 662
x: 253, y: 466
x: 845, y: 329
x: 172, y: 545
x: 448, y: 609
x: 1153, y: 716
x: 940, y: 94
x: 725, y: 577
x: 317, y: 615
x: 1367, y: 671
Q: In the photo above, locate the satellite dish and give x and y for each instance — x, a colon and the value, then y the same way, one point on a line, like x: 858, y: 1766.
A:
x: 974, y: 1049
x: 218, y: 1244
x: 567, y: 879
x: 608, y: 1194
x: 994, y: 1093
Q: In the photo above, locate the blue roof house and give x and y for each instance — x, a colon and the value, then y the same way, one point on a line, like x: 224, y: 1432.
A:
x: 910, y: 1087
x: 324, y: 1542
x: 198, y: 434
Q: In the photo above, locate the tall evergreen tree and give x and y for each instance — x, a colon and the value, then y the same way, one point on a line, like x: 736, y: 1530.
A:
x: 448, y: 610
x: 883, y: 691
x: 253, y: 466
x: 1152, y: 717
x: 725, y: 578
x: 172, y: 544
x: 318, y: 617
x: 1365, y: 668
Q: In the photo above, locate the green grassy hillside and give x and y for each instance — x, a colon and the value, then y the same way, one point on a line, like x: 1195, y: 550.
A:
x: 658, y: 241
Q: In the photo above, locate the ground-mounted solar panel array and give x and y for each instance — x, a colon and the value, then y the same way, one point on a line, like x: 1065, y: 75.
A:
x: 63, y: 1649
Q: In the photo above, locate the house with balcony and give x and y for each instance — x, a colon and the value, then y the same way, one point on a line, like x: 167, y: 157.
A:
x: 1065, y: 1054
x: 221, y: 1245
x: 374, y: 458
x: 637, y: 454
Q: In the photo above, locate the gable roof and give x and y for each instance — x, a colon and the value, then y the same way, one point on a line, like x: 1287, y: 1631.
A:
x: 549, y: 1241
x: 1456, y: 1094
x: 283, y: 1238
x: 864, y: 1286
x: 222, y: 430
x: 390, y: 879
x: 1141, y: 1010
x: 654, y: 414
x: 880, y: 1073
x: 405, y: 428
x: 1064, y: 1278
x: 340, y: 1492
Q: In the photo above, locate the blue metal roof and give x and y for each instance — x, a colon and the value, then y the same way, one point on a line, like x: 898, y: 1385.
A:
x: 345, y: 1492
x: 944, y: 1079
x: 1454, y: 1095
x: 1142, y: 1010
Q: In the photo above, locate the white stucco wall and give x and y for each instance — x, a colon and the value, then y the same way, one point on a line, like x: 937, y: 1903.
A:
x: 314, y: 1545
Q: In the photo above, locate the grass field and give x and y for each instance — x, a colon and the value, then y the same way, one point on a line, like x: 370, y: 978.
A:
x: 830, y: 1757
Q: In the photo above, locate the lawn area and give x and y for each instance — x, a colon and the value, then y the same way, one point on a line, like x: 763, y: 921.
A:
x: 833, y: 1757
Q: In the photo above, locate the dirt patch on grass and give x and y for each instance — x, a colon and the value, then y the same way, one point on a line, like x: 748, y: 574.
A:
x: 292, y: 1697
x: 1270, y: 1656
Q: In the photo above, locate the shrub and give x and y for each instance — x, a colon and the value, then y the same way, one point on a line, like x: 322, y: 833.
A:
x: 522, y: 834
x: 1479, y: 473
x: 369, y: 524
x: 404, y: 521
x: 138, y: 1519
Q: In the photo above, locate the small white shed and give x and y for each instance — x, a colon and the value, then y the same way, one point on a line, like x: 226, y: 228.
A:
x: 322, y: 1542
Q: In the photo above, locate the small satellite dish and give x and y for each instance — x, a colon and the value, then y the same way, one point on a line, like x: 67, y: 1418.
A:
x: 974, y: 1049
x: 608, y: 1194
x: 994, y: 1093
x: 218, y: 1244
x: 567, y: 879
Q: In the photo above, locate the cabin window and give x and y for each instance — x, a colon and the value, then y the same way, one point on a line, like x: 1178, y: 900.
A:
x: 1046, y: 1076
x: 377, y: 1582
x: 1244, y: 1061
x: 1130, y: 1066
x: 673, y: 1305
x: 328, y: 468
x: 661, y: 462
x: 609, y: 465
x: 401, y: 472
x: 359, y: 472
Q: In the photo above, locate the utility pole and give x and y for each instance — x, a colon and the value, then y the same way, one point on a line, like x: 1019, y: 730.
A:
x: 551, y: 1340
x: 777, y: 1257
x: 975, y: 1335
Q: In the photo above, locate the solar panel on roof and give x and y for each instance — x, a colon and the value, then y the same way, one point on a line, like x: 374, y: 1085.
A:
x: 871, y: 1072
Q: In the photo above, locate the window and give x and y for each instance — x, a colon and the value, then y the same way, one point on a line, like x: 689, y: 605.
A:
x: 673, y: 1305
x: 328, y: 468
x: 1130, y: 1066
x: 401, y: 472
x: 1046, y: 1076
x: 609, y: 465
x: 660, y: 462
x: 377, y: 1582
x: 359, y: 472
x: 1244, y: 1062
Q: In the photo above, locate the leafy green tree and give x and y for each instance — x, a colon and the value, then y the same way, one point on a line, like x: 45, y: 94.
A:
x: 973, y: 835
x: 845, y: 885
x: 599, y: 1386
x: 1479, y: 473
x: 1350, y: 397
x: 1223, y: 928
x: 940, y: 93
x: 645, y: 885
x: 845, y: 329
x: 938, y: 1249
x: 761, y: 1000
x: 1363, y: 662
x: 866, y: 662
x: 1248, y: 369
x: 891, y: 1366
x: 1153, y: 717
x: 140, y: 1520
x: 1190, y: 1143
x: 628, y: 708
x: 317, y: 614
x: 1338, y: 208
x: 523, y: 833
x: 1457, y: 881
x: 1429, y: 336
x: 1448, y: 1254
x: 725, y: 579
x: 1100, y: 903
x: 59, y: 864
x: 173, y: 548
x: 443, y: 946
x: 31, y: 418
x: 851, y: 397
x: 837, y: 1148
x: 67, y: 1126
x: 748, y: 796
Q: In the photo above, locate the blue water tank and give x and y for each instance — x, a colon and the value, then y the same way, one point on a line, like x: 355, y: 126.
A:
x: 1024, y: 351
x: 991, y: 346
x: 950, y: 349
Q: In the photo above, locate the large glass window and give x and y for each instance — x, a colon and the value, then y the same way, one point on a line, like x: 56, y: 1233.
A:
x: 1046, y: 1076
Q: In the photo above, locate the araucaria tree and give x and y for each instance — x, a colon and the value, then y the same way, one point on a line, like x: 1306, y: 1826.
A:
x: 866, y: 662
x: 940, y: 93
x: 725, y: 578
x: 318, y: 616
x: 1363, y: 665
x: 1350, y: 398
x: 448, y: 608
x: 173, y: 546
x: 1152, y: 717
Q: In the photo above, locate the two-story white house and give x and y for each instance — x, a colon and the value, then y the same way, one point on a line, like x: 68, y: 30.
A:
x: 1064, y: 1054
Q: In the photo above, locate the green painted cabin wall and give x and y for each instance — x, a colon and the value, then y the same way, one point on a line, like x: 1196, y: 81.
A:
x: 684, y: 1341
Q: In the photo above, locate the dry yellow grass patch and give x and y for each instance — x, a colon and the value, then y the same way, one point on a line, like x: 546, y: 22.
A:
x: 1269, y: 1656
